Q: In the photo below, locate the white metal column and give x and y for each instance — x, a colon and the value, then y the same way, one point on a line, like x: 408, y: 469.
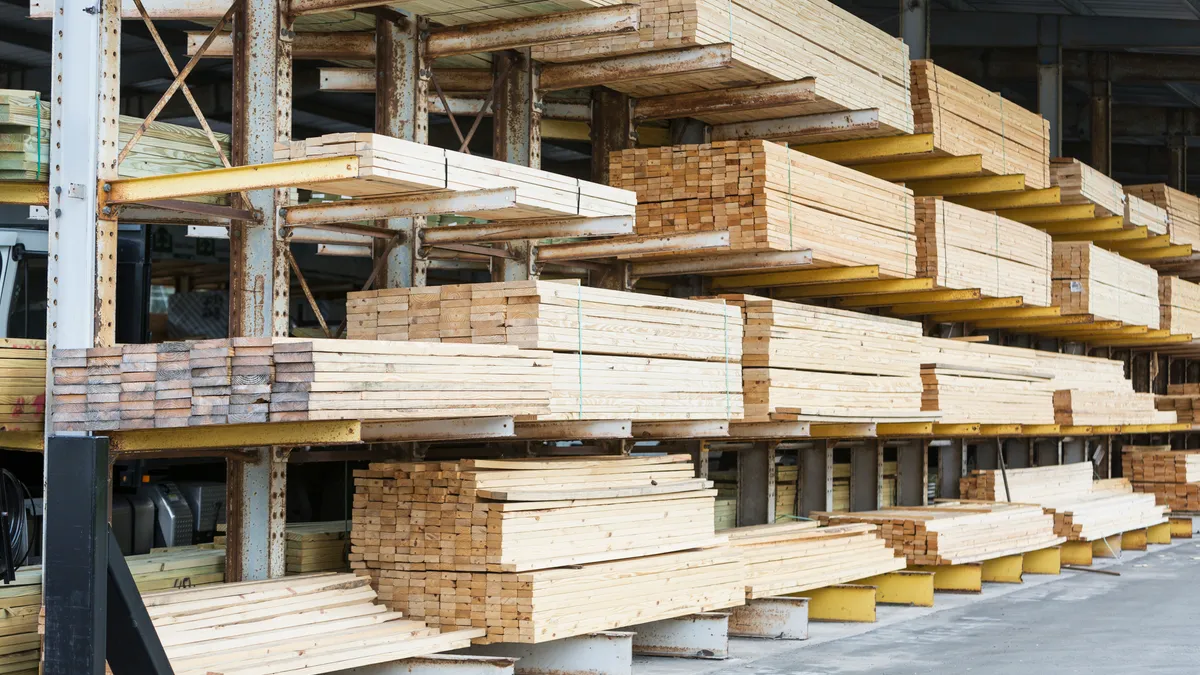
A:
x: 1050, y: 80
x: 914, y: 27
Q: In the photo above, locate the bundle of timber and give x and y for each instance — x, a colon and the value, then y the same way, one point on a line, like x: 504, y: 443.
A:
x: 528, y: 514
x: 1083, y: 510
x: 1081, y: 184
x: 1033, y: 485
x: 855, y: 65
x: 242, y: 380
x: 21, y: 600
x: 955, y: 533
x: 617, y: 355
x: 985, y: 384
x: 966, y: 119
x: 1172, y: 476
x: 795, y: 557
x: 1091, y: 280
x: 841, y: 485
x: 318, y: 547
x: 1180, y: 305
x: 1141, y: 213
x: 787, y: 478
x: 810, y: 363
x: 1075, y: 407
x: 771, y: 198
x: 162, y: 149
x: 522, y: 548
x: 1183, y: 210
x: 22, y: 384
x: 959, y: 247
x: 1184, y: 405
x: 562, y: 316
x: 392, y: 166
x: 322, y: 623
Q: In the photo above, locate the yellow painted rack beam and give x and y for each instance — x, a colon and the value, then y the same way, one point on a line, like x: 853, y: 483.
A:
x: 1076, y: 430
x: 915, y: 297
x: 843, y: 430
x: 1096, y: 225
x: 1138, y: 244
x: 22, y: 440
x: 974, y: 185
x: 1111, y: 237
x: 921, y: 308
x: 797, y: 277
x: 1050, y: 214
x: 1164, y: 253
x: 30, y: 193
x: 1151, y: 339
x: 904, y: 429
x: 928, y: 168
x: 871, y: 149
x: 220, y: 436
x: 1031, y: 323
x: 1019, y: 200
x: 1007, y: 315
x: 851, y: 288
x: 233, y: 179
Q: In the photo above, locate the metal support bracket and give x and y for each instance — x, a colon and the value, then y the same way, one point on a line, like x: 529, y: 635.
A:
x: 697, y: 636
x: 606, y: 653
x: 776, y: 618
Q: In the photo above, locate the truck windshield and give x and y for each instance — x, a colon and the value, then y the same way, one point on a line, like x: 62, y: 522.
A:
x: 27, y: 314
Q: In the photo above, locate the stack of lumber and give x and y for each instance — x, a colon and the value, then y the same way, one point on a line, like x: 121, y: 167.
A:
x: 315, y: 624
x: 819, y: 364
x: 966, y: 119
x: 1142, y: 213
x: 1091, y: 280
x: 796, y: 557
x: 959, y: 247
x: 841, y: 485
x: 1083, y: 510
x: 889, y: 476
x: 617, y: 355
x: 1184, y: 405
x: 725, y: 510
x: 529, y: 514
x: 1081, y: 184
x: 1032, y: 485
x: 1180, y: 305
x: 318, y: 547
x: 1183, y: 210
x: 1172, y: 476
x: 22, y: 384
x: 523, y: 548
x: 163, y: 148
x: 390, y: 166
x: 786, y: 477
x: 1094, y: 391
x: 856, y: 65
x: 771, y: 198
x: 956, y: 533
x: 972, y: 383
x: 113, y: 388
x: 21, y: 600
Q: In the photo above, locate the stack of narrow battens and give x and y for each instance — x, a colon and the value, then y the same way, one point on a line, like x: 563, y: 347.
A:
x: 21, y: 601
x: 1183, y: 211
x: 806, y: 363
x: 390, y: 166
x: 954, y: 533
x: 966, y: 119
x: 22, y: 384
x: 985, y: 384
x: 162, y: 148
x: 1183, y: 400
x: 1172, y: 476
x: 1083, y: 510
x: 616, y: 355
x: 318, y: 547
x: 1079, y: 183
x: 1180, y: 306
x: 856, y: 66
x: 959, y: 247
x: 1090, y: 280
x: 771, y: 198
x: 124, y: 387
x: 1141, y: 213
x: 1091, y: 391
x: 316, y: 624
x: 795, y: 557
x: 522, y: 548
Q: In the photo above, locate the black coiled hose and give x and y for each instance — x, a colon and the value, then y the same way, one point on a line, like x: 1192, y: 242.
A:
x: 13, y: 494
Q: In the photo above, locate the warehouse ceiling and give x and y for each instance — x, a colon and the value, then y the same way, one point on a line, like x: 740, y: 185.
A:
x: 990, y: 41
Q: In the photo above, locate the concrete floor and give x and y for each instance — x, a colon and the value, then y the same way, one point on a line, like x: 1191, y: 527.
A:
x: 1141, y: 622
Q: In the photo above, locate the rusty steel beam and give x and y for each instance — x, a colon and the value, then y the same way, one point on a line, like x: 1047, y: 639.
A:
x: 470, y: 105
x: 309, y: 46
x: 301, y: 7
x: 517, y: 139
x: 697, y: 104
x: 404, y: 206
x: 496, y: 36
x: 797, y: 128
x: 612, y: 129
x: 600, y: 72
x: 363, y: 79
x: 530, y: 229
x: 592, y: 250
